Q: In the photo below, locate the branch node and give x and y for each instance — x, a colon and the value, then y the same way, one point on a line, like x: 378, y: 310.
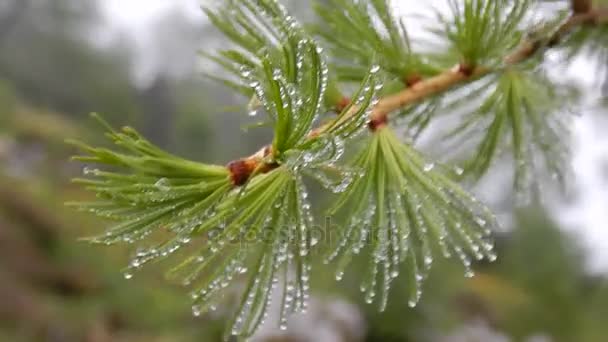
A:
x: 466, y: 69
x: 240, y: 170
x: 377, y: 122
x: 412, y: 79
x: 342, y: 104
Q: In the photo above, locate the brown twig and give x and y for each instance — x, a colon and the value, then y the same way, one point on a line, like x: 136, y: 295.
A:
x: 425, y: 88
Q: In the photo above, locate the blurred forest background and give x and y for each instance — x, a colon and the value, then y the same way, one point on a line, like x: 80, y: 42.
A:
x: 58, y: 63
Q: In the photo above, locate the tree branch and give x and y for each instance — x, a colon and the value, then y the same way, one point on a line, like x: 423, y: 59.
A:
x: 448, y: 79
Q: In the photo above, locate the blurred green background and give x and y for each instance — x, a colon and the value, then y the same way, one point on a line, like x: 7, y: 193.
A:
x: 57, y: 65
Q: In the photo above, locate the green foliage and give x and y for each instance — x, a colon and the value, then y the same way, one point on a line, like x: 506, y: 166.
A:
x: 405, y: 210
x: 360, y: 33
x: 293, y: 100
x: 484, y: 31
x: 148, y: 189
x: 263, y: 225
x: 365, y: 32
x: 157, y: 191
x: 521, y: 109
x: 264, y: 233
x: 261, y: 30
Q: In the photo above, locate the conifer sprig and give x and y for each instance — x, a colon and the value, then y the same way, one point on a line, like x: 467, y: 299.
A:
x: 146, y: 189
x: 262, y: 237
x: 503, y: 45
x: 249, y: 222
x: 401, y: 213
x: 225, y: 221
x: 526, y: 111
x: 366, y: 32
x: 260, y: 30
x: 482, y: 31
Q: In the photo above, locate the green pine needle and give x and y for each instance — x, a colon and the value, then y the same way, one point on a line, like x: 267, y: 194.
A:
x: 263, y: 228
x: 361, y: 33
x: 403, y: 210
x: 292, y: 98
x: 260, y: 238
x: 484, y: 31
x: 526, y: 113
x: 146, y: 189
x: 261, y: 30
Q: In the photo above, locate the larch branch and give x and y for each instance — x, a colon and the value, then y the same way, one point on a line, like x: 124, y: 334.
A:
x: 440, y: 83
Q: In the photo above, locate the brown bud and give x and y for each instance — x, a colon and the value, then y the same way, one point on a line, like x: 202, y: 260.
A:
x: 377, y: 122
x: 412, y: 79
x: 240, y: 170
x: 342, y: 104
x: 466, y: 69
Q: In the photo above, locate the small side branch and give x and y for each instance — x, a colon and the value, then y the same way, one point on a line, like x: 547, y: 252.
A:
x: 426, y: 88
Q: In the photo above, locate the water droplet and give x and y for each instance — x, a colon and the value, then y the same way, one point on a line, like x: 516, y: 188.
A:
x: 128, y: 275
x: 163, y: 184
x: 429, y: 167
x: 428, y: 260
x: 253, y: 112
x: 90, y: 171
x: 135, y: 263
x: 480, y: 221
